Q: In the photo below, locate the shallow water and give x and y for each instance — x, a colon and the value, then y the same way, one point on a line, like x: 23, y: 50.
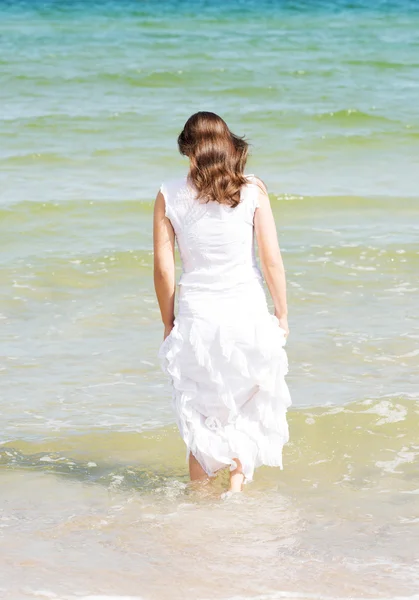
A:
x: 93, y: 482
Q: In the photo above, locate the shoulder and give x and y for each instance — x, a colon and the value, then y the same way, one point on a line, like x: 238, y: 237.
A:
x: 174, y: 193
x: 257, y: 182
x: 256, y: 192
x: 171, y: 187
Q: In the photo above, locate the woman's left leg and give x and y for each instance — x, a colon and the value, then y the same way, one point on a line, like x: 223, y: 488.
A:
x: 236, y: 477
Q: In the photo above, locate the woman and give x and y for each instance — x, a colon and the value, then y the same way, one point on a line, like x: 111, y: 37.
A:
x: 224, y: 351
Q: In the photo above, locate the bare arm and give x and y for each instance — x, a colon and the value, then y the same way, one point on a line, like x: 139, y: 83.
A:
x: 270, y: 256
x: 164, y: 264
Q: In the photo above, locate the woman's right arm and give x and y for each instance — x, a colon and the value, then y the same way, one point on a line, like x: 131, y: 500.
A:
x: 270, y: 256
x: 164, y: 264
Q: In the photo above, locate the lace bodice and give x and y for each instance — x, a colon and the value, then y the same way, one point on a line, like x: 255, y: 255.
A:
x: 216, y: 241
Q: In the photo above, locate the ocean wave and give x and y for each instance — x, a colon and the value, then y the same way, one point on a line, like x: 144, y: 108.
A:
x: 355, y: 445
x: 350, y: 116
x: 382, y: 64
x: 90, y: 206
x: 40, y: 158
x: 78, y: 208
x: 140, y: 78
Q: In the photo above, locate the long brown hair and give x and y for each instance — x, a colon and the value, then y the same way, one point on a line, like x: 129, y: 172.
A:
x: 217, y: 158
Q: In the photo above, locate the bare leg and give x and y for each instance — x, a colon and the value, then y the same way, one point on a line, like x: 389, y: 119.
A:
x: 196, y: 472
x: 236, y: 478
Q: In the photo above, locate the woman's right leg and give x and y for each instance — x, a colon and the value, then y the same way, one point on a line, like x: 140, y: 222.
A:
x: 196, y: 472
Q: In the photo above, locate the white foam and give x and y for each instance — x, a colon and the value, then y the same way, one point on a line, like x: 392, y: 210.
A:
x: 410, y: 354
x: 108, y: 598
x: 48, y: 595
x: 282, y: 595
x: 402, y: 457
x: 389, y: 412
x: 279, y: 595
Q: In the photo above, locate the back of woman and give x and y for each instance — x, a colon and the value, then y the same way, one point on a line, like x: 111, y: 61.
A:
x: 224, y: 351
x: 215, y: 240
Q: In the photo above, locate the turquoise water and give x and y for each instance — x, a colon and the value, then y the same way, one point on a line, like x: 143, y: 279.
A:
x: 327, y: 94
x: 93, y: 483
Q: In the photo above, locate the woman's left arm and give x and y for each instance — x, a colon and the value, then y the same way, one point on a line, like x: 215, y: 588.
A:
x: 164, y: 264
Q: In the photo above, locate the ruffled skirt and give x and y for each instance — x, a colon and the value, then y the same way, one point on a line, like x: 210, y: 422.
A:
x: 226, y: 361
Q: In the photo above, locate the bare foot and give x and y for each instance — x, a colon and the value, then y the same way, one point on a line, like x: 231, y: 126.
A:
x: 229, y: 494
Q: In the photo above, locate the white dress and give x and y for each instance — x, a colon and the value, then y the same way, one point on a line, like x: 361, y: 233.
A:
x: 225, y: 355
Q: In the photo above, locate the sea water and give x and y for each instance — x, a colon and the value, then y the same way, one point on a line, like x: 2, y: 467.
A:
x: 93, y: 482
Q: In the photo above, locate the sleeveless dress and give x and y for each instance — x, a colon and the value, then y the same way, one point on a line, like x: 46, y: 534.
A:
x: 225, y: 355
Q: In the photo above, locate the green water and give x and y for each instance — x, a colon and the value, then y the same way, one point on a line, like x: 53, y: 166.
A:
x: 93, y: 481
